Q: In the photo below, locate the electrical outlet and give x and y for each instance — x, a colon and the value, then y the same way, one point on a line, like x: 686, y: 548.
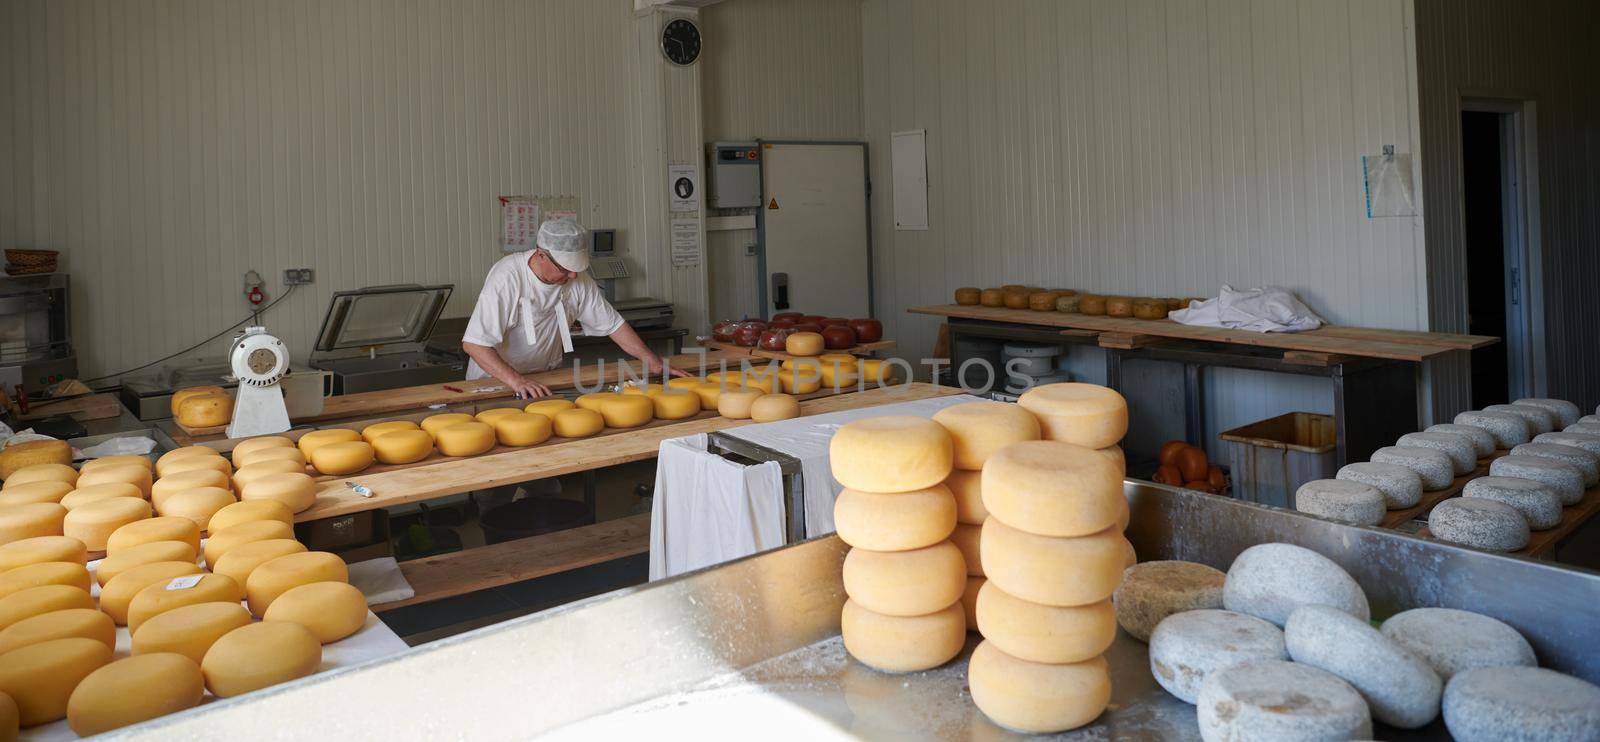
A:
x: 297, y: 276
x: 749, y: 251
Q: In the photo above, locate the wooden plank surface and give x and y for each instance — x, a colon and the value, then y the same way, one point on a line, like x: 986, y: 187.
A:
x: 857, y: 350
x: 1125, y: 340
x: 1321, y: 360
x: 454, y: 476
x: 1394, y: 518
x: 84, y: 408
x: 458, y: 573
x: 1540, y: 543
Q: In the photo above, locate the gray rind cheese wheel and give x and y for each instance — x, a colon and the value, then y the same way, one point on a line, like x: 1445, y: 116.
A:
x: 1583, y: 427
x: 1400, y: 688
x: 1187, y: 647
x: 1280, y: 700
x: 1566, y: 413
x: 1565, y: 479
x: 1535, y: 500
x: 1401, y: 487
x: 1269, y: 581
x: 1453, y: 641
x: 1463, y: 454
x: 1154, y: 590
x: 1482, y: 442
x: 1341, y: 499
x: 1435, y: 467
x: 1508, y: 429
x: 1517, y: 703
x: 1539, y: 419
x: 1481, y: 524
x: 1579, y: 459
x: 1586, y: 441
x: 1586, y: 420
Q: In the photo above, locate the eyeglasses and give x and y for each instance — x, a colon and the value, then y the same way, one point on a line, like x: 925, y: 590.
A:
x: 548, y: 258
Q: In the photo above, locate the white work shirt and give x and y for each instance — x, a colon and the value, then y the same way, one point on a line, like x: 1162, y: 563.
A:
x: 516, y: 315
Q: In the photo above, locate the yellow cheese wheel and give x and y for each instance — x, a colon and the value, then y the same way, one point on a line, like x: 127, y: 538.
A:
x: 905, y: 583
x: 344, y: 458
x: 18, y: 456
x: 968, y: 490
x: 803, y: 344
x: 773, y: 407
x: 521, y: 428
x: 371, y: 432
x: 900, y: 521
x: 31, y: 520
x: 979, y: 429
x: 435, y: 423
x: 645, y: 388
x: 240, y: 561
x: 41, y: 473
x: 967, y: 538
x: 466, y: 439
x: 44, y: 573
x: 331, y: 610
x: 1042, y: 633
x: 117, y: 594
x: 225, y: 539
x: 675, y: 405
x: 1054, y: 489
x: 894, y: 453
x: 735, y: 404
x: 42, y: 599
x: 260, y: 655
x: 42, y: 491
x: 93, y: 523
x: 578, y: 423
x: 812, y: 366
x: 875, y: 370
x: 402, y: 446
x: 192, y: 463
x: 708, y: 393
x: 42, y: 549
x: 176, y: 454
x: 189, y: 630
x: 172, y: 484
x: 310, y: 442
x: 592, y: 401
x: 249, y: 446
x: 205, y: 411
x: 164, y: 528
x: 839, y: 377
x: 160, y: 597
x: 1037, y: 697
x: 488, y: 416
x: 1086, y: 415
x: 244, y: 512
x: 1035, y: 568
x: 549, y: 407
x: 180, y: 395
x: 969, y: 601
x: 250, y: 472
x: 800, y: 381
x: 132, y: 690
x: 135, y: 459
x: 296, y: 491
x: 41, y: 677
x: 197, y: 505
x: 845, y: 360
x: 627, y: 411
x: 685, y: 382
x: 760, y: 381
x: 902, y: 643
x: 96, y: 492
x: 156, y: 551
x: 133, y: 474
x: 84, y: 623
x: 276, y: 576
x: 290, y: 454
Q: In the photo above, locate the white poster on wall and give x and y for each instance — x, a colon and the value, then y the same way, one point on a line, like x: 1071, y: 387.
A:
x: 683, y: 187
x: 519, y: 222
x: 685, y: 242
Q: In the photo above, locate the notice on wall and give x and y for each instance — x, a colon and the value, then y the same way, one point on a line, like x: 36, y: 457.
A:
x: 1386, y: 180
x: 519, y: 223
x: 685, y: 242
x: 683, y: 186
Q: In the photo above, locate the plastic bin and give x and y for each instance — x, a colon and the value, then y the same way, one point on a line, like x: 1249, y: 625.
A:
x: 1272, y: 458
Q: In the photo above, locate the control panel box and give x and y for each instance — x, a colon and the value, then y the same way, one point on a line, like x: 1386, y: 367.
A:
x: 735, y: 175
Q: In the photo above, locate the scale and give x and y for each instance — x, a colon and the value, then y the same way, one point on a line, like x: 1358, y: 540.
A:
x: 259, y: 361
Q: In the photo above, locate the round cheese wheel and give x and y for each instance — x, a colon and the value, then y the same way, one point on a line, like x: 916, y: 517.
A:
x: 165, y: 528
x: 290, y: 454
x: 635, y: 387
x: 117, y: 594
x: 310, y: 442
x: 93, y: 523
x: 899, y: 521
x: 276, y: 576
x: 466, y: 439
x: 331, y: 610
x: 191, y: 463
x: 525, y: 428
x: 44, y: 573
x: 42, y: 491
x: 489, y: 415
x: 41, y: 473
x: 772, y: 407
x: 1086, y: 415
x: 30, y: 520
x: 905, y: 583
x: 41, y: 677
x: 260, y: 655
x: 39, y: 600
x: 1053, y: 489
x: 578, y: 423
x: 189, y: 630
x: 435, y: 423
x: 133, y: 474
x: 968, y: 490
x: 968, y: 538
x: 343, y: 458
x: 21, y: 455
x: 132, y: 690
x: 95, y: 492
x: 992, y: 297
x: 244, y: 512
x: 181, y: 453
x: 709, y: 394
x: 172, y: 484
x: 1042, y: 633
x: 1036, y: 568
x: 969, y: 601
x: 902, y: 643
x: 10, y: 722
x: 839, y: 377
x: 160, y: 597
x: 240, y: 561
x: 549, y: 407
x: 197, y: 505
x: 688, y: 382
x: 133, y: 556
x: 118, y: 460
x: 803, y: 344
x: 800, y: 381
x: 179, y: 396
x: 592, y: 401
x: 371, y: 432
x: 83, y: 623
x: 42, y: 549
x: 875, y: 370
x: 223, y: 540
x: 754, y: 381
x: 297, y: 491
x: 249, y: 446
x: 246, y: 474
x: 627, y: 411
x: 893, y: 453
x: 968, y: 296
x: 735, y: 404
x: 1036, y: 697
x: 402, y: 446
x: 979, y: 429
x: 675, y: 405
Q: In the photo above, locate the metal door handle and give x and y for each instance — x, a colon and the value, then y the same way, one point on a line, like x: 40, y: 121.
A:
x: 780, y: 291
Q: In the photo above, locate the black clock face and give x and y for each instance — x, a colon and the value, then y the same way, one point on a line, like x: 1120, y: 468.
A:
x: 680, y: 41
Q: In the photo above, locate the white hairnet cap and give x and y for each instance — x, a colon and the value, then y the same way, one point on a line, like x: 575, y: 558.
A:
x: 567, y: 242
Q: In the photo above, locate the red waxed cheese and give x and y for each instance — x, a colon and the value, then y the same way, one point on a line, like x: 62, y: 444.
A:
x: 838, y: 337
x: 867, y: 330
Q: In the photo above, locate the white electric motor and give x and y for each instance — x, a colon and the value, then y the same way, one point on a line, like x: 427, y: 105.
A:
x: 259, y: 362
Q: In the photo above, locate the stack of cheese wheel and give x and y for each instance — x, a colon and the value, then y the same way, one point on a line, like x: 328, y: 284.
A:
x: 1053, y: 553
x: 903, y: 576
x: 30, y: 501
x: 978, y: 430
x: 195, y: 482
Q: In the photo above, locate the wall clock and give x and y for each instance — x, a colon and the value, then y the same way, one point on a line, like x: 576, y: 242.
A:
x: 680, y: 41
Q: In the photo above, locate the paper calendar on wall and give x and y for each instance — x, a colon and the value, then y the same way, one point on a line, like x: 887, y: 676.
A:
x: 520, y: 217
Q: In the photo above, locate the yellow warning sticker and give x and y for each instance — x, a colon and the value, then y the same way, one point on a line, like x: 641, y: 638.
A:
x: 773, y: 204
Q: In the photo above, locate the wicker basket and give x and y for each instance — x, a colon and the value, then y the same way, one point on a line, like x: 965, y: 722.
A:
x: 30, y: 270
x: 25, y: 258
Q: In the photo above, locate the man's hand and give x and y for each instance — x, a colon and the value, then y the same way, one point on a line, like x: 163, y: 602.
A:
x: 526, y: 388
